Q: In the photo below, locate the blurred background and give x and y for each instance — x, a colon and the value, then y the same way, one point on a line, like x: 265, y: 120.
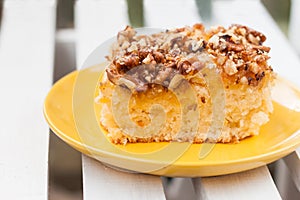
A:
x: 279, y: 9
x: 65, y: 175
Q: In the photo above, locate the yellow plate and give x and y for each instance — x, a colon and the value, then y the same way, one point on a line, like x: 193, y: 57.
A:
x: 72, y: 114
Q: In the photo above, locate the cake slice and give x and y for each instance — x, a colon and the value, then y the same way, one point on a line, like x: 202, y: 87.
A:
x: 186, y: 85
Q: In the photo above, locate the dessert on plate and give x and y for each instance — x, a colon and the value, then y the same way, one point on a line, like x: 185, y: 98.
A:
x: 186, y: 84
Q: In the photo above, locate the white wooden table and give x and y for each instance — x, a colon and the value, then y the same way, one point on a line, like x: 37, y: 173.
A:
x: 27, y: 39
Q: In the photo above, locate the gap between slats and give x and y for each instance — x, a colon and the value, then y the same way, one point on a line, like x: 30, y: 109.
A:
x: 65, y: 171
x: 1, y: 8
x: 64, y: 168
x: 283, y: 178
x: 292, y: 162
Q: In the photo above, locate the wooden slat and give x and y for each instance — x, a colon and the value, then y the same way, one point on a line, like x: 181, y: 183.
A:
x: 292, y: 162
x: 164, y: 14
x: 95, y: 22
x: 294, y: 28
x: 252, y: 184
x: 26, y: 62
x: 284, y: 59
x: 256, y: 183
x: 102, y: 182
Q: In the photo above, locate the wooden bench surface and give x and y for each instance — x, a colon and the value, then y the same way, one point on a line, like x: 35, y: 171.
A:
x: 27, y: 38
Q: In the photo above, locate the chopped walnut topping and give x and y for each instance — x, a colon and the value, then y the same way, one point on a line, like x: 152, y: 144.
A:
x: 148, y: 59
x: 244, y: 80
x: 237, y: 52
x: 244, y: 48
x: 254, y: 40
x: 230, y: 67
x: 254, y: 68
x: 221, y: 60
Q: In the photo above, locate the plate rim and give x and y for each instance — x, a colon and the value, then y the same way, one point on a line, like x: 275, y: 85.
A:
x: 269, y: 155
